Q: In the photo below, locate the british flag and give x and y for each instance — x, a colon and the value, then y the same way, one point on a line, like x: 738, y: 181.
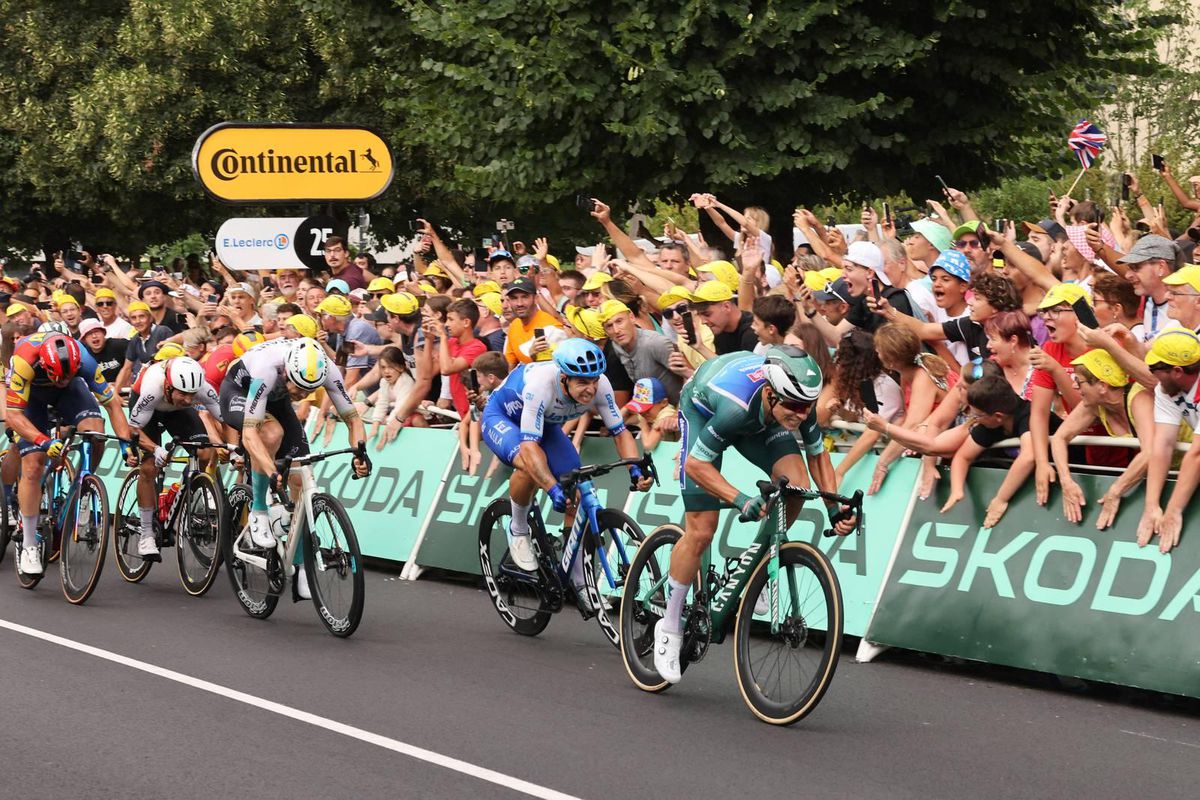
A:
x: 1086, y: 140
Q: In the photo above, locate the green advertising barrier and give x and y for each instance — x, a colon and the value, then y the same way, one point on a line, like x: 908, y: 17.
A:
x: 1040, y: 593
x: 452, y: 536
x: 860, y: 561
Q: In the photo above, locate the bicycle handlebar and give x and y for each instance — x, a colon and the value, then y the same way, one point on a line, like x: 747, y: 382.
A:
x: 286, y: 463
x: 773, y: 490
x: 572, y: 479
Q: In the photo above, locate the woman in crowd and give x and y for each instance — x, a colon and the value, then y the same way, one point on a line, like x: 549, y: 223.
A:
x: 858, y: 383
x: 1010, y: 341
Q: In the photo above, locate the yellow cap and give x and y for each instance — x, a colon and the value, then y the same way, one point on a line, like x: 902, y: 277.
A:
x: 672, y: 296
x: 244, y: 341
x: 1101, y: 364
x: 712, y: 292
x: 63, y: 299
x: 1068, y: 293
x: 334, y: 305
x: 493, y: 302
x: 169, y: 350
x: 427, y: 288
x: 138, y: 305
x: 817, y: 280
x: 554, y: 262
x: 609, y: 309
x: 586, y: 321
x: 1177, y: 347
x: 1189, y: 275
x: 487, y: 287
x: 305, y: 325
x: 402, y: 304
x: 435, y: 269
x: 15, y: 308
x: 381, y: 285
x: 106, y: 294
x: 597, y: 280
x: 723, y: 271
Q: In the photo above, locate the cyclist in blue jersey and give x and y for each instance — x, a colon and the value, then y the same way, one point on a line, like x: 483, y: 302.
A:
x: 760, y: 405
x: 522, y: 425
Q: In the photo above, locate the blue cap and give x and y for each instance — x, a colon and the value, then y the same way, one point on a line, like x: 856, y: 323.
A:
x: 338, y: 285
x: 954, y: 263
x: 838, y: 290
x: 498, y: 254
x: 646, y: 392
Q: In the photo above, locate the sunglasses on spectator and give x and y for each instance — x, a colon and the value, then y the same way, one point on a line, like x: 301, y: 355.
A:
x: 976, y: 368
x: 668, y: 313
x: 378, y: 294
x: 1161, y: 366
x: 1054, y: 313
x: 102, y: 303
x: 968, y: 243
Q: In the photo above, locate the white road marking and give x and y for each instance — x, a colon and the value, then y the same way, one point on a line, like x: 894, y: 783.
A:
x: 1161, y: 739
x: 387, y: 743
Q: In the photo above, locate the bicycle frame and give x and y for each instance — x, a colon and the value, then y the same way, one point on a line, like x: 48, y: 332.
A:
x: 300, y: 520
x: 72, y: 494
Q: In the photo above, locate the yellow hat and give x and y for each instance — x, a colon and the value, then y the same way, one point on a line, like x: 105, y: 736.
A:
x: 818, y: 279
x: 723, y: 271
x: 244, y: 341
x: 609, y: 309
x: 1189, y: 275
x: 672, y: 296
x: 597, y: 280
x: 554, y: 262
x: 1101, y: 364
x: 435, y: 269
x: 1068, y: 293
x: 15, y: 308
x: 487, y: 287
x: 1177, y: 347
x: 138, y: 305
x: 402, y: 304
x: 63, y: 299
x: 427, y: 288
x: 712, y: 292
x: 334, y: 305
x: 493, y: 302
x: 169, y: 350
x: 586, y: 321
x: 106, y: 294
x: 305, y: 325
x: 381, y: 285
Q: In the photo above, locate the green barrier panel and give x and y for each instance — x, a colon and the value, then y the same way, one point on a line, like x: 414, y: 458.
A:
x: 860, y: 561
x: 1040, y: 593
x: 452, y: 538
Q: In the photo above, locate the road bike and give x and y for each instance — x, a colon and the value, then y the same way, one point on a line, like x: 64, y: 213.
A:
x: 72, y: 518
x: 785, y: 658
x: 192, y: 509
x: 320, y: 533
x: 604, y: 536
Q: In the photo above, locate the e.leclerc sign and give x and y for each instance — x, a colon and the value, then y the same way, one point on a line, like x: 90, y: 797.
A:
x: 244, y: 162
x: 259, y: 243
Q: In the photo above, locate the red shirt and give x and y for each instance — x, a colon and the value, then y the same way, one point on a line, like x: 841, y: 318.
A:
x: 217, y: 364
x: 1095, y: 455
x: 469, y: 351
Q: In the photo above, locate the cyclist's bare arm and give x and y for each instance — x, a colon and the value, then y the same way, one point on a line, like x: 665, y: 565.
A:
x: 709, y: 478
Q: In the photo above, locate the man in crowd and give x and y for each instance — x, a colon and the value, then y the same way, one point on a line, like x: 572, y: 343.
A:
x: 733, y: 329
x: 645, y: 354
x: 524, y: 345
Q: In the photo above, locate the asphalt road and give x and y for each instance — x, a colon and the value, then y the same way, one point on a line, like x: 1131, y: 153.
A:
x: 433, y: 667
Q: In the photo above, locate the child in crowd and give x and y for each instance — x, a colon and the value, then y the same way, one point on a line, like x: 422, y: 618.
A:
x: 652, y: 413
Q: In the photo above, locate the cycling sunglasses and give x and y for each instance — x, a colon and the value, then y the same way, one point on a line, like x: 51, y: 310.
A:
x: 668, y: 313
x: 793, y: 406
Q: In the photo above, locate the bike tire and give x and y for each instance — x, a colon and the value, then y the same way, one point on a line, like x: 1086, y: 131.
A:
x: 340, y: 570
x: 58, y: 480
x: 612, y: 521
x: 522, y: 604
x: 84, y: 541
x: 648, y: 566
x: 203, y: 527
x: 816, y: 625
x: 7, y: 535
x: 251, y: 586
x: 127, y: 530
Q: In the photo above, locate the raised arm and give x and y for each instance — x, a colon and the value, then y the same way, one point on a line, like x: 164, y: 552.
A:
x: 603, y: 214
x: 444, y: 256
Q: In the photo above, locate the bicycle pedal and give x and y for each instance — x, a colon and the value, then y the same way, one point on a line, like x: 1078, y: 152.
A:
x: 153, y: 558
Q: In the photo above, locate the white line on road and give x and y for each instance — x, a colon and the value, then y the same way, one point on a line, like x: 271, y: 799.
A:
x: 1161, y: 739
x: 387, y: 743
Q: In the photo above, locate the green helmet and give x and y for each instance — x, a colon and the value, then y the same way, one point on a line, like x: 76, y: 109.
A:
x: 792, y: 373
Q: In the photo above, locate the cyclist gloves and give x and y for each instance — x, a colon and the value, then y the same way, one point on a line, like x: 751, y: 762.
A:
x: 161, y: 457
x: 750, y: 508
x: 558, y: 498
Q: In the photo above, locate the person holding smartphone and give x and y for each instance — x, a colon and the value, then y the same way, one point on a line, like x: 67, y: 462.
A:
x: 523, y: 346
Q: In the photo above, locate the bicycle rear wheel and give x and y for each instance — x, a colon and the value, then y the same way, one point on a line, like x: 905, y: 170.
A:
x: 517, y: 595
x: 597, y: 552
x: 84, y: 540
x: 333, y: 564
x: 202, y: 524
x: 783, y: 676
x: 642, y: 606
x: 252, y: 586
x: 127, y: 530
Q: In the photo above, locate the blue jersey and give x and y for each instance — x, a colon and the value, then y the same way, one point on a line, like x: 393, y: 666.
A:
x: 533, y: 396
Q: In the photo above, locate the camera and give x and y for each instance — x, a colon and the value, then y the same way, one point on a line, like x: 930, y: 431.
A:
x: 585, y: 203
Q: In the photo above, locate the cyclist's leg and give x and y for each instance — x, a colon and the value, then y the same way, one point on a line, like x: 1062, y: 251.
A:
x: 292, y: 442
x: 562, y: 457
x: 33, y: 462
x: 147, y: 494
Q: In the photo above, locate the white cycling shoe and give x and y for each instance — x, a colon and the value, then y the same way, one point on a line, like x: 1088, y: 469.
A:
x: 148, y: 548
x: 762, y: 606
x: 666, y: 653
x: 29, y: 562
x: 520, y: 549
x: 260, y: 530
x: 301, y: 581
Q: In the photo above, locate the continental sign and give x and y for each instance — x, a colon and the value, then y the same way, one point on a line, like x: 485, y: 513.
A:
x: 239, y: 162
x: 1041, y: 593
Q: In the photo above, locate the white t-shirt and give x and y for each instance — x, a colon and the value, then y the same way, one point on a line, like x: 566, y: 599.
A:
x: 957, y: 349
x: 119, y: 329
x: 923, y: 297
x: 1175, y: 409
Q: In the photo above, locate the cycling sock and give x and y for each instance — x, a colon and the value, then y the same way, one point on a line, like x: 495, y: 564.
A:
x: 520, y: 518
x: 674, y: 618
x: 147, y: 522
x: 259, y: 485
x: 29, y: 530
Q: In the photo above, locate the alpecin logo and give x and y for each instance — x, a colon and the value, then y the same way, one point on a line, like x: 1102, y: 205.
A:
x: 228, y: 164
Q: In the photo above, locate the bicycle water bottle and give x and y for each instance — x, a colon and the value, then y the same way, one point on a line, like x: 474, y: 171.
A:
x: 166, y: 498
x: 281, y: 520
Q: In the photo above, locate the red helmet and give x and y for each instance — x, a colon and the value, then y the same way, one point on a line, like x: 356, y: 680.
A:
x: 59, y: 356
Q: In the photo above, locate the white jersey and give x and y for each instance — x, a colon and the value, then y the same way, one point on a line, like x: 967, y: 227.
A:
x: 150, y: 389
x: 261, y: 373
x: 533, y: 394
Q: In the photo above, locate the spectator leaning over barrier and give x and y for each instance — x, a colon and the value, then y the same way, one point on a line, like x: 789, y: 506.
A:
x: 146, y: 339
x: 715, y: 304
x: 458, y: 348
x: 1124, y: 409
x: 693, y: 349
x: 968, y: 242
x: 1174, y: 358
x: 1150, y: 261
x: 652, y: 412
x: 154, y: 295
x: 106, y: 309
x: 108, y: 352
x: 1010, y: 343
x: 491, y: 314
x: 645, y: 354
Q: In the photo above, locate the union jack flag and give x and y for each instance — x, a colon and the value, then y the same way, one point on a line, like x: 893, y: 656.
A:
x: 1086, y: 140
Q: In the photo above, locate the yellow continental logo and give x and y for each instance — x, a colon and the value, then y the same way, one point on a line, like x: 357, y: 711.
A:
x: 239, y: 162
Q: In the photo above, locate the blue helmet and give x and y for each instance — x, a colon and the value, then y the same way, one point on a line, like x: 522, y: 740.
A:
x: 579, y: 358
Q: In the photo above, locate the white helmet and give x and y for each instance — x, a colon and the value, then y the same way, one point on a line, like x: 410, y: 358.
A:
x: 185, y: 374
x: 306, y: 365
x: 54, y: 326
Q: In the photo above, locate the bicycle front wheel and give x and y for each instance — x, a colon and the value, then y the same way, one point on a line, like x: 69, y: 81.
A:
x: 333, y: 564
x: 127, y: 530
x: 84, y: 539
x: 251, y: 585
x: 201, y: 525
x: 516, y: 595
x: 55, y: 485
x: 783, y: 675
x: 643, y: 604
x: 619, y: 539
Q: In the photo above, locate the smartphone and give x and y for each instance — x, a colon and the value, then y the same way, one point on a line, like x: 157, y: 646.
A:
x: 43, y: 305
x: 481, y: 259
x: 539, y: 333
x: 1126, y: 181
x: 876, y: 289
x: 97, y: 278
x: 585, y: 203
x: 214, y: 298
x: 945, y: 188
x: 999, y: 224
x: 267, y: 283
x: 1158, y: 161
x: 985, y: 239
x: 689, y: 327
x: 887, y: 213
x: 471, y: 380
x: 869, y: 401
